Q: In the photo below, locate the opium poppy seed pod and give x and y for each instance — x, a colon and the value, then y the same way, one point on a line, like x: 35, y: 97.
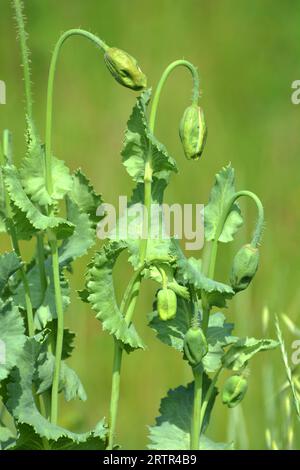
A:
x: 234, y: 390
x: 195, y: 345
x: 124, y: 69
x: 193, y: 132
x: 244, y: 267
x: 166, y: 304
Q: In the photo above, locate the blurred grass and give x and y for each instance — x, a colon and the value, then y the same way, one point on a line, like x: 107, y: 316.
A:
x: 248, y: 55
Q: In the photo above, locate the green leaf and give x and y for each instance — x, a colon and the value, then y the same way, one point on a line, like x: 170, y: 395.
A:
x: 33, y: 172
x: 69, y: 382
x: 42, y: 302
x: 39, y: 221
x: 84, y: 196
x: 244, y: 349
x: 172, y: 333
x: 172, y: 428
x: 9, y: 264
x: 12, y: 337
x: 190, y: 271
x: 7, y: 439
x: 33, y: 429
x: 129, y: 227
x: 83, y: 237
x: 139, y: 142
x: 28, y: 438
x: 220, y: 196
x: 102, y: 295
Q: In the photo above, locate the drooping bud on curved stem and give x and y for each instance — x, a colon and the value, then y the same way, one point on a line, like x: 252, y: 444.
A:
x: 122, y: 66
x: 193, y: 132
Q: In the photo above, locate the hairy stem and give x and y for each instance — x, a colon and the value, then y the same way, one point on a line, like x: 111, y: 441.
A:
x: 49, y: 186
x: 25, y: 56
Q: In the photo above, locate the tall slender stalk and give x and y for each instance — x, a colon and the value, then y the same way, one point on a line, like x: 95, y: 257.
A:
x: 49, y: 186
x: 25, y: 56
x: 134, y: 287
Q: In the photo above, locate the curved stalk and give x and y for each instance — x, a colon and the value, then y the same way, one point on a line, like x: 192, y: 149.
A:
x: 49, y: 187
x: 134, y: 287
x: 152, y: 120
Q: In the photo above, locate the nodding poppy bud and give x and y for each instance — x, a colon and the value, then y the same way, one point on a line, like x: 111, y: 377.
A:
x: 166, y: 304
x: 234, y: 390
x: 195, y: 345
x: 124, y: 69
x: 193, y: 132
x: 245, y: 264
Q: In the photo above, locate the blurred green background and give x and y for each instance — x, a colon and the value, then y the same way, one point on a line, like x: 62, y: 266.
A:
x: 248, y: 54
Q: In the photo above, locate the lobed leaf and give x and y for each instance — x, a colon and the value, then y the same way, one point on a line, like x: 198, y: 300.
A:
x: 35, y: 431
x: 39, y: 221
x: 190, y: 271
x: 12, y: 337
x: 214, y: 211
x: 244, y: 349
x: 172, y: 428
x: 9, y: 264
x: 102, y: 295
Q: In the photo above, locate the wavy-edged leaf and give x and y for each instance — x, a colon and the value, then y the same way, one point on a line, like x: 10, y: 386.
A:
x: 39, y: 221
x: 172, y: 332
x: 84, y: 196
x: 102, y: 295
x: 83, y: 237
x: 190, y: 271
x: 28, y: 438
x: 9, y: 264
x: 33, y: 172
x: 172, y: 428
x: 7, y: 438
x: 33, y: 429
x: 139, y: 142
x: 220, y: 196
x: 69, y: 382
x: 12, y: 337
x: 244, y: 349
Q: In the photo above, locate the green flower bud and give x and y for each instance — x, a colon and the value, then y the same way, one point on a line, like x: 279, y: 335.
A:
x: 193, y: 132
x: 195, y: 345
x: 234, y: 390
x: 166, y: 304
x: 244, y: 267
x: 124, y: 69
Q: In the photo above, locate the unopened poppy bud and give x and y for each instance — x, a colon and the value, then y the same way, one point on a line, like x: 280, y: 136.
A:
x: 166, y: 304
x: 124, y: 69
x: 195, y: 345
x: 234, y: 390
x: 193, y: 132
x: 245, y: 264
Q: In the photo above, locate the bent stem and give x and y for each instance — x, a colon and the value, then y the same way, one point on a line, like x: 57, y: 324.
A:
x: 134, y: 285
x: 49, y: 186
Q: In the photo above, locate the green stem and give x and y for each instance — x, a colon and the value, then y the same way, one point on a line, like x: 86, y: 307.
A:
x: 196, y: 425
x: 49, y: 110
x: 208, y: 395
x: 18, y: 7
x: 49, y: 187
x: 25, y: 56
x: 148, y: 164
x: 60, y: 330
